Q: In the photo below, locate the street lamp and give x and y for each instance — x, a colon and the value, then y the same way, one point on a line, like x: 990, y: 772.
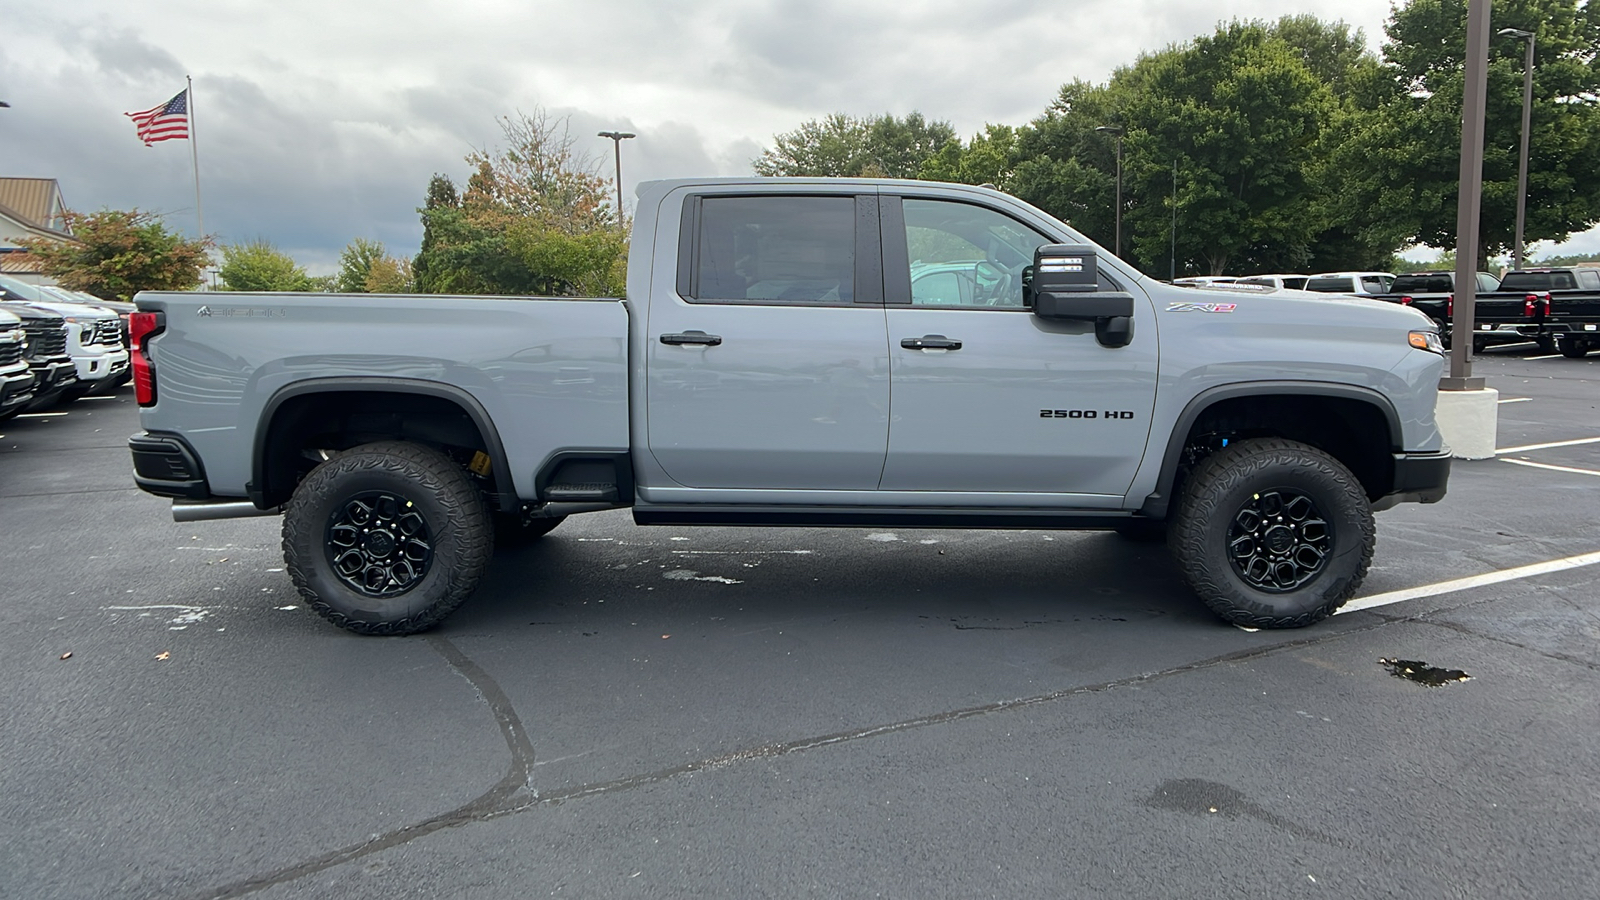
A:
x: 1522, y: 165
x: 1116, y: 131
x: 617, y: 137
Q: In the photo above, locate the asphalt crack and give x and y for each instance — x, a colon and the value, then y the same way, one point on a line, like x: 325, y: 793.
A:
x: 512, y: 795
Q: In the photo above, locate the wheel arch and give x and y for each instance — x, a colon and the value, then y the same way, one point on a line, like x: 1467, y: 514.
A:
x: 1369, y: 458
x: 270, y: 484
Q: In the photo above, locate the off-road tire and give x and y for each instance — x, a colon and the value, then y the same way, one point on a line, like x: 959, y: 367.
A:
x: 1218, y: 491
x: 511, y: 530
x: 456, y: 521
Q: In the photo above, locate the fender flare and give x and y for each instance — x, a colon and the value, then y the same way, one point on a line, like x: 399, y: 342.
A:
x: 469, y: 404
x: 1157, y: 503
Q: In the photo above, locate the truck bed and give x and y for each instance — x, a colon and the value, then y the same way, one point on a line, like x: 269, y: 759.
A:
x: 222, y: 359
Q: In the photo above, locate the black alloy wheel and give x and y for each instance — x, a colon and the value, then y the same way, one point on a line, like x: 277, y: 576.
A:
x: 378, y: 544
x: 1278, y: 541
x: 386, y: 538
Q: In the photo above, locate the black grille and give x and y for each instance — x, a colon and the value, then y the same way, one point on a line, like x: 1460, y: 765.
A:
x: 45, y: 339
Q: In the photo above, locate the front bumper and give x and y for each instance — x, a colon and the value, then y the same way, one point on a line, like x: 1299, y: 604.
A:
x: 16, y: 388
x: 1418, y: 478
x: 99, y: 369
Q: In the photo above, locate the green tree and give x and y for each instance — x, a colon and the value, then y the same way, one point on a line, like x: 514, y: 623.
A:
x: 534, y: 218
x: 1405, y: 158
x: 258, y: 266
x: 841, y: 146
x: 366, y: 267
x: 118, y: 253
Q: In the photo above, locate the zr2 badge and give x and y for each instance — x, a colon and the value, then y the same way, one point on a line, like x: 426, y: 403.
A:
x: 1202, y: 307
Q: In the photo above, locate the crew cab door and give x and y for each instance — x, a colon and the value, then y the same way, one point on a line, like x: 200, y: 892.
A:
x: 766, y: 360
x: 988, y: 397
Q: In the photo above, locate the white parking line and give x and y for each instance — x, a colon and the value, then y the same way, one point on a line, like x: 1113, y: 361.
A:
x: 1515, y: 400
x: 1535, y: 465
x: 41, y: 415
x: 1551, y: 356
x: 1526, y: 447
x: 1473, y: 581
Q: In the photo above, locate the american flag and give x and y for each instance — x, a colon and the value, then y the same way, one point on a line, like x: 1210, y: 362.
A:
x: 169, y: 121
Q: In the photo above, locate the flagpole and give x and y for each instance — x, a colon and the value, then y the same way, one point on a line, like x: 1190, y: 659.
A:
x: 194, y: 152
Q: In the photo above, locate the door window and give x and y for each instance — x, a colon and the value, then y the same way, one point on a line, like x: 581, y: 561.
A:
x: 1589, y: 278
x: 965, y: 255
x: 776, y: 249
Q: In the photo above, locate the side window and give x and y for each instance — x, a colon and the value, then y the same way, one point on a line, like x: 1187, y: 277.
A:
x: 1589, y: 279
x: 1563, y: 281
x: 966, y: 255
x: 1328, y: 285
x: 1489, y: 283
x: 794, y: 249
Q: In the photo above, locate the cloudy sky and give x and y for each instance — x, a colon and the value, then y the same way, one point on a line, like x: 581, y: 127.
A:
x: 319, y: 121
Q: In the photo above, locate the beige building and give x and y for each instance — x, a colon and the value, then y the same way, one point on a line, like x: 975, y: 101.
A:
x: 29, y: 207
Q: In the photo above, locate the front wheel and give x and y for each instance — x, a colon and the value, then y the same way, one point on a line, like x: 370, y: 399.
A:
x: 387, y: 538
x: 1273, y: 533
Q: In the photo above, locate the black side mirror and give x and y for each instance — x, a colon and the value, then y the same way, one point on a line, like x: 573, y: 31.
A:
x: 1066, y: 285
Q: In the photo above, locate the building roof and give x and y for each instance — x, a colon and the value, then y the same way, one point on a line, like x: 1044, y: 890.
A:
x: 36, y: 200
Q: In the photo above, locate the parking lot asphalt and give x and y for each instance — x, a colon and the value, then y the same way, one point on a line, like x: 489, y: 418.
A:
x: 670, y: 712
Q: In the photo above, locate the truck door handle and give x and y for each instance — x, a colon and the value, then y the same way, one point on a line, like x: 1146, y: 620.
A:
x: 692, y: 337
x: 930, y: 342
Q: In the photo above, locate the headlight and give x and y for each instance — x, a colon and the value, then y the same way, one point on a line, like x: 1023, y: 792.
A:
x: 1427, y: 340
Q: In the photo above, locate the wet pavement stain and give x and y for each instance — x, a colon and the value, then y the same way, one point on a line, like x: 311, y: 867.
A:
x: 1422, y: 673
x: 1198, y: 797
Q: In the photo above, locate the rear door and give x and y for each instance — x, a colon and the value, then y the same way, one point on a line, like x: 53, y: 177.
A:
x: 987, y: 397
x: 766, y: 363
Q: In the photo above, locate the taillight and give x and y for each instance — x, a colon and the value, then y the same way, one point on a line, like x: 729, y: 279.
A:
x: 1534, y: 305
x: 1405, y: 301
x: 142, y: 326
x: 1450, y: 306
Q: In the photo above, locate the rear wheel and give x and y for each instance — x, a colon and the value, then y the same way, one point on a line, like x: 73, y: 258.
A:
x: 1573, y: 348
x: 1273, y: 533
x: 388, y: 538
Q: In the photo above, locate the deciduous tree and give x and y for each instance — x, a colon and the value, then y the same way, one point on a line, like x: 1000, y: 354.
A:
x: 118, y: 253
x: 258, y: 266
x: 534, y: 218
x: 842, y: 146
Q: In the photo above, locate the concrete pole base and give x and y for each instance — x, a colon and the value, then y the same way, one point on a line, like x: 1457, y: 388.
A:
x: 1468, y: 420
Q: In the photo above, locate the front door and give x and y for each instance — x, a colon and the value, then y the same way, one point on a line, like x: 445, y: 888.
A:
x: 987, y: 397
x: 767, y: 364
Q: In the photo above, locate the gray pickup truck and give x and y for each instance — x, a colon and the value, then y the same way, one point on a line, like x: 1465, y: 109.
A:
x: 797, y: 352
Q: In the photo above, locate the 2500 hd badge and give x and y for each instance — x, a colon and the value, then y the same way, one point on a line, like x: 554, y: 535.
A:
x: 1085, y: 414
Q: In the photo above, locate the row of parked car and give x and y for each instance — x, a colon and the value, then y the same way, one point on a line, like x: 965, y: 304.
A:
x: 1556, y: 308
x: 58, y: 345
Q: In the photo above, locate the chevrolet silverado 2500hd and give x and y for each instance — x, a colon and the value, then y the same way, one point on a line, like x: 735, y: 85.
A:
x: 809, y: 353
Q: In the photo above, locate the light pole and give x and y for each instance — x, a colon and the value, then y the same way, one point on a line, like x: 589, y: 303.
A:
x: 1527, y: 111
x: 617, y: 137
x: 1116, y: 131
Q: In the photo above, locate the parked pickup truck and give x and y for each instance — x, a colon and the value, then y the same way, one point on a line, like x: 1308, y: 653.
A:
x: 771, y: 365
x: 1561, y: 307
x: 1434, y: 293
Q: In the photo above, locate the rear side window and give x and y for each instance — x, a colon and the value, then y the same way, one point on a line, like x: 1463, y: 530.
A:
x: 1329, y: 285
x: 1423, y: 284
x: 1589, y: 279
x: 1563, y: 281
x: 1525, y: 281
x: 1374, y: 284
x: 795, y: 249
x: 1295, y: 284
